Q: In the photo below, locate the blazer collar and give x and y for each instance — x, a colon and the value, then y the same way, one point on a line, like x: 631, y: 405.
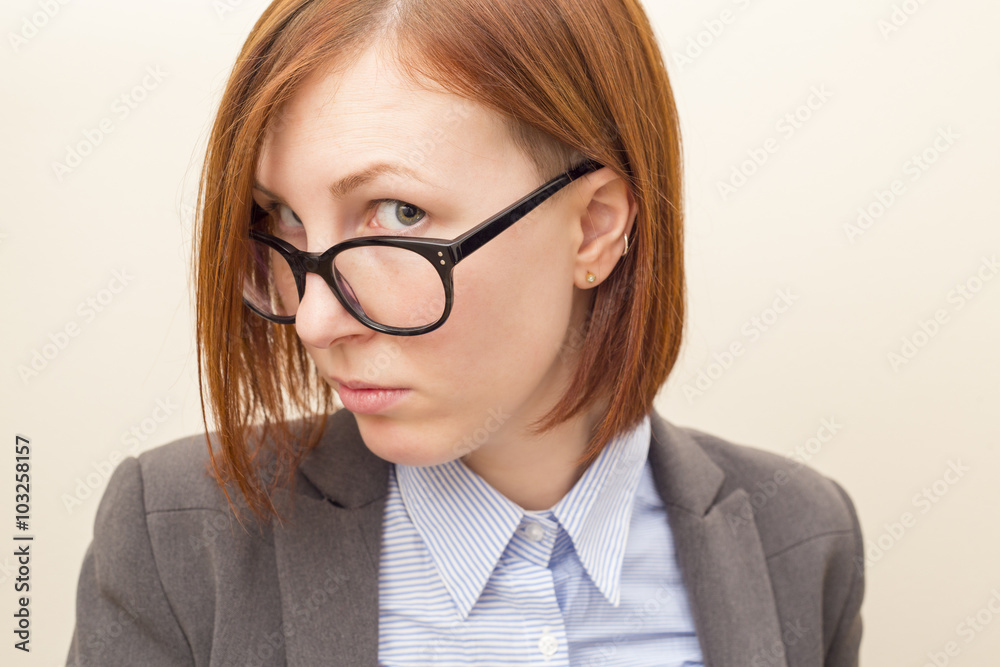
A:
x: 342, y: 467
x: 327, y: 553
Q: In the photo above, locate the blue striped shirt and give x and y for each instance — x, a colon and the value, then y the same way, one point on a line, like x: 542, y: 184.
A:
x: 469, y: 577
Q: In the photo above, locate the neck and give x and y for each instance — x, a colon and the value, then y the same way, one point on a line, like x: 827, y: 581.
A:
x: 535, y: 472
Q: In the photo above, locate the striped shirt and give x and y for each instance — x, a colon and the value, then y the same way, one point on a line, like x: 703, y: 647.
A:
x: 469, y: 577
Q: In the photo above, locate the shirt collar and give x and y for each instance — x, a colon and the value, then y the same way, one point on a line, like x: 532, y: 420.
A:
x: 466, y: 524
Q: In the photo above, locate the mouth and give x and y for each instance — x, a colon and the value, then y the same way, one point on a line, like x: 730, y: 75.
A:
x: 359, y: 385
x: 366, y: 398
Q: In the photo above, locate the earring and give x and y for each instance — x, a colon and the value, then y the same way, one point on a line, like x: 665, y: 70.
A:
x: 626, y: 246
x: 591, y: 277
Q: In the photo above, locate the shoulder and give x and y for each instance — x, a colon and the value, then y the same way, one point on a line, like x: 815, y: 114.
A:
x: 176, y: 476
x: 170, y: 486
x: 154, y: 503
x: 171, y: 477
x: 790, y: 502
x: 810, y: 537
x: 166, y: 550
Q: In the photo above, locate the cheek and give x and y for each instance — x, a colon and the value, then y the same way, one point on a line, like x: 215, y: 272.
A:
x: 511, y: 311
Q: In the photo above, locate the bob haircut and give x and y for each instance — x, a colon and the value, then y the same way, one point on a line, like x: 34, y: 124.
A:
x: 571, y: 78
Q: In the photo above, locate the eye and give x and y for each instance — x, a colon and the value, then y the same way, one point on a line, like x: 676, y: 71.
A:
x: 285, y: 218
x: 396, y: 215
x: 278, y: 220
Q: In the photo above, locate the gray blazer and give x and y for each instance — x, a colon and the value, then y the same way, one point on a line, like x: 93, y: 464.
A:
x: 770, y: 551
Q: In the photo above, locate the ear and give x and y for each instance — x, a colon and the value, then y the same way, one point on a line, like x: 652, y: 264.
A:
x: 605, y: 213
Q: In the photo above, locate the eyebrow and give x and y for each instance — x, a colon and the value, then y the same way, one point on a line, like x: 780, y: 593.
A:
x: 346, y: 185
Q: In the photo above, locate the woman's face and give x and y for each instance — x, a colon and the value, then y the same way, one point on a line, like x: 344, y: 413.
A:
x: 500, y: 360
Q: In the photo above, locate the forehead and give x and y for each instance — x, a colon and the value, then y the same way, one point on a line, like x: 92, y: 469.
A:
x: 338, y: 122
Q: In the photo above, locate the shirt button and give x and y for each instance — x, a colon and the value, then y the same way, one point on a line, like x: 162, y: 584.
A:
x: 548, y: 644
x: 534, y: 532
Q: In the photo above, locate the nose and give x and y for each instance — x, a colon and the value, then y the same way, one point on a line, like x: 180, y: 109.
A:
x: 320, y: 319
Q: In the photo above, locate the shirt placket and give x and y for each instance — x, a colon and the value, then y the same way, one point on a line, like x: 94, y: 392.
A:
x: 527, y: 577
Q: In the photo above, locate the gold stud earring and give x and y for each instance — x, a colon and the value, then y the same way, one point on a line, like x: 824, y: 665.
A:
x: 591, y: 277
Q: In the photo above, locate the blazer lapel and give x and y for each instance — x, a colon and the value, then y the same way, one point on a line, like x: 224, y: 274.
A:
x: 719, y: 552
x: 327, y: 551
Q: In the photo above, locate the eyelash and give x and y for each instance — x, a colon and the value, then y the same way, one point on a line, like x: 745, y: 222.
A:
x: 271, y: 208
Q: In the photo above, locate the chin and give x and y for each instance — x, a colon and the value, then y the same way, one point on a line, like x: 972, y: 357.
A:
x: 396, y: 442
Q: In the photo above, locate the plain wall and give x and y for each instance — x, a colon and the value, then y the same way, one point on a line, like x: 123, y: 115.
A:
x: 875, y: 338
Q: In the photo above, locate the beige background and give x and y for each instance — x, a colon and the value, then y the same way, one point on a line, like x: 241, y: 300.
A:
x: 879, y: 98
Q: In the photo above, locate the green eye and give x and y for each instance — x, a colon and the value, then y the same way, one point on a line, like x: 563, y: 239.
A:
x: 408, y: 214
x: 396, y: 215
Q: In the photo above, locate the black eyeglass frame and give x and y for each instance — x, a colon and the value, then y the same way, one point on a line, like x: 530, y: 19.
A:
x: 443, y: 254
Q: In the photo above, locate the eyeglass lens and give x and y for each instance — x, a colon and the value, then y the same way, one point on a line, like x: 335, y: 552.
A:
x: 391, y: 286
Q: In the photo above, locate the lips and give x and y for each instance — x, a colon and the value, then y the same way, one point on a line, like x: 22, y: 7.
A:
x: 358, y: 384
x: 364, y: 398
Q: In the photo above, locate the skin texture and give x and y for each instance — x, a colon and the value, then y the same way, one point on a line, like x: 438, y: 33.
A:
x: 499, y: 362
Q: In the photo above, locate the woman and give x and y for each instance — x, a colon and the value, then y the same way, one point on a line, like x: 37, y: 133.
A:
x: 462, y: 217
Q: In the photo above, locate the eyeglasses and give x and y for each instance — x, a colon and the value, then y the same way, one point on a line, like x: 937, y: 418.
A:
x: 396, y: 285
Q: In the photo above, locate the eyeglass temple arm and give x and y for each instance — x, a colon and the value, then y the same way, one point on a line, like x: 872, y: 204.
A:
x: 485, y: 232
